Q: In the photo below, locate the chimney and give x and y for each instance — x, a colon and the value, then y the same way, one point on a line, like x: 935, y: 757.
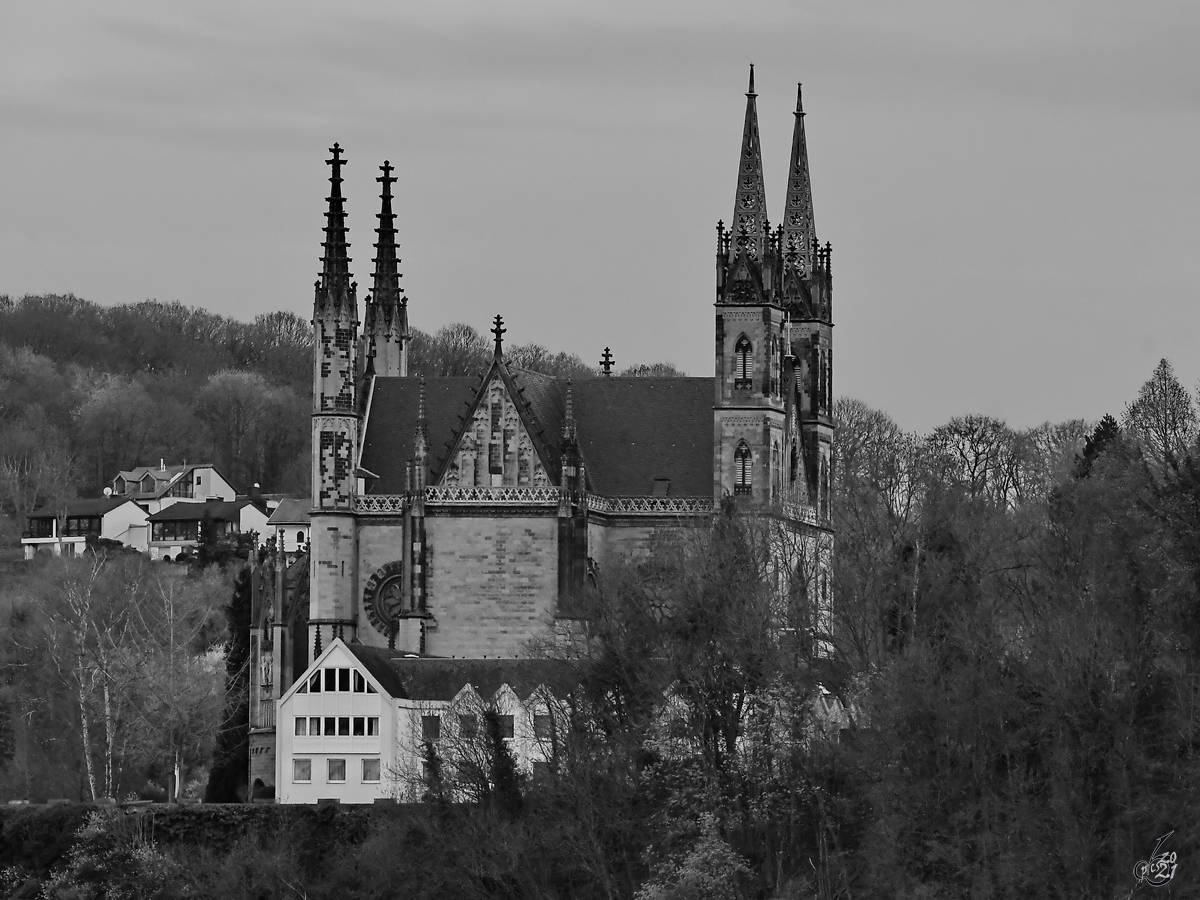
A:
x: 162, y: 464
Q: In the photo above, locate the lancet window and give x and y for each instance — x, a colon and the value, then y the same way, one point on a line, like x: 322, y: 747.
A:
x: 743, y: 362
x: 742, y: 471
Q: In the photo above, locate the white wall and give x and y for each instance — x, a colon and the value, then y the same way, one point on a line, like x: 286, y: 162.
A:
x: 319, y: 750
x: 127, y: 524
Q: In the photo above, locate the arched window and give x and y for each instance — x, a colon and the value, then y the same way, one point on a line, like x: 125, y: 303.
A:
x: 743, y: 362
x: 795, y: 465
x: 776, y: 471
x: 742, y: 482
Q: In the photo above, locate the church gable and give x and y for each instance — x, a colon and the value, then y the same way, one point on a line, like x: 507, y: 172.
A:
x: 498, y: 445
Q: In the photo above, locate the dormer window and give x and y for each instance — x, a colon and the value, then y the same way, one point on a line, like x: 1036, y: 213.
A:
x: 742, y: 460
x: 743, y: 362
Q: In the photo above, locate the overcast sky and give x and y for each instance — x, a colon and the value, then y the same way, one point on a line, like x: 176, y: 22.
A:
x: 1010, y: 188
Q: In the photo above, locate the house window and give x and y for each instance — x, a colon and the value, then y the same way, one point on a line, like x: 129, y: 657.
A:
x: 506, y: 726
x: 41, y: 528
x: 360, y: 726
x: 336, y: 771
x: 344, y: 680
x: 468, y: 726
x: 372, y: 726
x: 301, y: 726
x: 314, y: 726
x: 330, y: 680
x: 314, y: 682
x: 741, y: 469
x: 743, y: 362
x: 330, y: 726
x: 371, y: 688
x: 431, y: 728
x: 301, y: 771
x: 343, y: 726
x: 370, y: 770
x: 82, y: 525
x: 360, y: 683
x: 543, y: 727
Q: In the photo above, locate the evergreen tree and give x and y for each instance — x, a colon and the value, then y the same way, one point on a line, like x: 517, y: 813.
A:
x: 231, y: 756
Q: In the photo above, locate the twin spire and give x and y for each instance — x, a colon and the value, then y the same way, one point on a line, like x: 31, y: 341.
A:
x: 750, y: 229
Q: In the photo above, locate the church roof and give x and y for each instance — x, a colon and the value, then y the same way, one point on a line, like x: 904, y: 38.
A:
x: 631, y: 431
x: 416, y: 678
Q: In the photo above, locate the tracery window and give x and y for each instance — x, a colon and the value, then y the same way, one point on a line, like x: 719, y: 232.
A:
x: 743, y: 362
x: 742, y: 482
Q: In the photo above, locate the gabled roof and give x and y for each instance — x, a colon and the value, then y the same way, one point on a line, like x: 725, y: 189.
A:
x: 631, y: 431
x: 388, y: 442
x: 216, y: 510
x: 290, y: 511
x: 163, y: 478
x: 96, y: 507
x: 414, y: 678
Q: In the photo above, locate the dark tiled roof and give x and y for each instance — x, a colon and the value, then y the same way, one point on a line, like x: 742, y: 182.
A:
x: 97, y: 507
x: 634, y: 430
x: 290, y: 511
x: 218, y: 510
x: 412, y: 678
x: 631, y: 430
x: 388, y: 443
x: 378, y: 661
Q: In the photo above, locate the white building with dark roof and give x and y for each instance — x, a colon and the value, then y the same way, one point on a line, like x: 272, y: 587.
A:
x: 155, y: 488
x: 64, y: 529
x: 355, y: 726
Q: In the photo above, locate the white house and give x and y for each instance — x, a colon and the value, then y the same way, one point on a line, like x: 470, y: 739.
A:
x: 354, y: 727
x: 290, y: 525
x: 176, y: 529
x: 157, y: 487
x: 64, y: 530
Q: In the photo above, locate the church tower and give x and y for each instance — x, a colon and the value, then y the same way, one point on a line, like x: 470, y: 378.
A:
x: 385, y: 325
x: 774, y: 358
x: 335, y: 429
x: 750, y: 414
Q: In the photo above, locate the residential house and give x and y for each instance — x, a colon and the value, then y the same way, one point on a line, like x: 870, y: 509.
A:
x: 64, y: 529
x: 156, y: 488
x: 289, y: 525
x: 175, y: 530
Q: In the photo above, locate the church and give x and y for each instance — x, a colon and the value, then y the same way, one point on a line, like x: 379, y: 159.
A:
x: 460, y: 517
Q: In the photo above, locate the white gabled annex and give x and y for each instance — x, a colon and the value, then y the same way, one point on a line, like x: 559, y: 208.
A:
x: 336, y: 731
x: 355, y: 726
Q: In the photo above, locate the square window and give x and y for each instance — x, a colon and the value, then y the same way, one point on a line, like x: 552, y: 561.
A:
x: 370, y: 770
x: 301, y: 770
x: 330, y: 726
x: 331, y: 679
x: 431, y: 728
x: 344, y: 680
x: 337, y: 770
x: 314, y: 726
x: 360, y: 726
x: 301, y: 726
x: 543, y: 727
x: 506, y: 726
x: 344, y: 726
x: 372, y: 726
x: 468, y: 726
x: 360, y: 683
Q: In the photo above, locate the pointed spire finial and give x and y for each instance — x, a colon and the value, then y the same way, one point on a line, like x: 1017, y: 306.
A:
x: 750, y: 201
x: 799, y: 226
x: 569, y: 418
x: 799, y: 99
x: 386, y: 293
x: 498, y: 330
x: 335, y: 264
x: 421, y: 425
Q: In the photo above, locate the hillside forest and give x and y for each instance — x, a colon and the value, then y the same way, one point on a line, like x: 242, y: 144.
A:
x: 1003, y: 701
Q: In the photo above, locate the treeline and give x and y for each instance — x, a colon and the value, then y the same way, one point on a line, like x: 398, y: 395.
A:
x: 1001, y: 700
x: 88, y: 390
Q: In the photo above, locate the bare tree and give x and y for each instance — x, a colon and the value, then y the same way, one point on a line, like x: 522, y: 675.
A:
x: 1162, y: 420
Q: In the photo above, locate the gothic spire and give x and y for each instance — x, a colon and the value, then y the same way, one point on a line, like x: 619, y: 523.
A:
x: 498, y: 330
x: 335, y: 281
x: 799, y: 229
x: 568, y: 432
x: 386, y: 292
x: 749, y: 221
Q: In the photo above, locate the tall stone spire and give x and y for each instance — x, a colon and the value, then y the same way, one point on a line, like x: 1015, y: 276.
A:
x: 799, y: 228
x: 385, y: 327
x: 749, y: 223
x: 335, y: 287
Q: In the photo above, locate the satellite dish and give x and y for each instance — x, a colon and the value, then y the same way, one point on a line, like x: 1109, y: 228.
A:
x: 108, y: 492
